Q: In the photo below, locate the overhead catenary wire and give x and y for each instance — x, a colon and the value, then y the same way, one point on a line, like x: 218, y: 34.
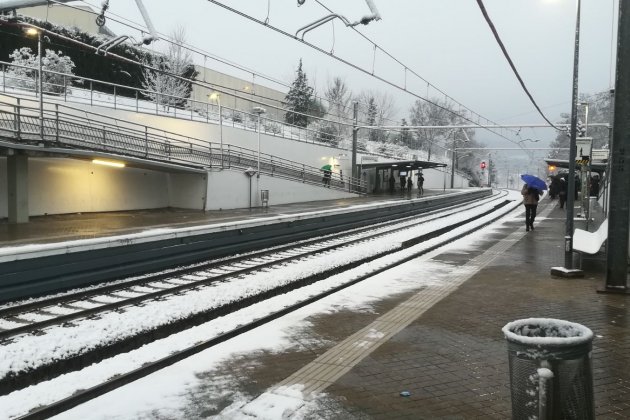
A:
x: 408, y: 69
x: 355, y: 66
x: 507, y: 56
x: 166, y: 38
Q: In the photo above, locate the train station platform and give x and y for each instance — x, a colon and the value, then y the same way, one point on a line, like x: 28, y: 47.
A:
x: 432, y: 349
x: 76, y: 226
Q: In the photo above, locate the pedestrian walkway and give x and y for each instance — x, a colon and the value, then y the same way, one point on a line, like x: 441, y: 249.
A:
x: 443, y: 345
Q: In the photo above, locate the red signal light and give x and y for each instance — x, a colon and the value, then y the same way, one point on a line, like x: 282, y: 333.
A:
x: 483, y: 165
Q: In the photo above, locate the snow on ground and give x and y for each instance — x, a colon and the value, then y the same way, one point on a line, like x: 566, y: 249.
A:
x: 31, y: 351
x: 167, y: 394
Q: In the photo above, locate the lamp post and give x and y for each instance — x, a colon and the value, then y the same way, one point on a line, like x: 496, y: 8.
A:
x: 40, y: 84
x: 568, y: 237
x: 259, y: 111
x: 217, y: 97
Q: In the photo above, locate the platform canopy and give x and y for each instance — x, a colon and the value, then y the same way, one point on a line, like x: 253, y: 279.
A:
x: 599, y: 167
x: 407, y: 165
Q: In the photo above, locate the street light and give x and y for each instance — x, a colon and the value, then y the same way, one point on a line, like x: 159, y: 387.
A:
x: 215, y: 96
x: 568, y: 237
x: 33, y: 32
x: 259, y: 111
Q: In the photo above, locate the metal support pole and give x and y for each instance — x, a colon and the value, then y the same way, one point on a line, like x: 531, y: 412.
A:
x: 41, y: 85
x: 610, y: 147
x: 453, y: 160
x: 221, y: 130
x: 488, y: 168
x: 258, y: 160
x: 355, y: 130
x: 617, y: 255
x: 57, y: 123
x: 570, y: 204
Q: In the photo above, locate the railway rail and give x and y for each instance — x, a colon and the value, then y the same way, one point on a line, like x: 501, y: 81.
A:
x: 34, y: 318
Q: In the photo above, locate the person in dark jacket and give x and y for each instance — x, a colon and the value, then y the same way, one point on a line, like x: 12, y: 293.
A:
x: 530, y: 199
x: 562, y: 192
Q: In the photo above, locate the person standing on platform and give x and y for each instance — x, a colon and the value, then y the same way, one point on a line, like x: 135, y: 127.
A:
x: 409, y: 185
x: 420, y: 184
x: 530, y: 199
x: 562, y: 192
x: 392, y: 184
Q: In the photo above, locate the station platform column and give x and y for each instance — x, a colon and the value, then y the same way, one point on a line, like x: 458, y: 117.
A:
x: 17, y: 188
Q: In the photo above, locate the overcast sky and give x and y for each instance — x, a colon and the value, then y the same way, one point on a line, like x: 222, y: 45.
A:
x: 447, y: 42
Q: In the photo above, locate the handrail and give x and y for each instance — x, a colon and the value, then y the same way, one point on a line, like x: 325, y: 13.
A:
x: 202, y: 108
x: 69, y: 130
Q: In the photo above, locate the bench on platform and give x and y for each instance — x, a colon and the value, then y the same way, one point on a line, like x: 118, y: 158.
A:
x: 590, y: 242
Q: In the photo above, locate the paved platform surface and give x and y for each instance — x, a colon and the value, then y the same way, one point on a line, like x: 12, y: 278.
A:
x: 443, y: 344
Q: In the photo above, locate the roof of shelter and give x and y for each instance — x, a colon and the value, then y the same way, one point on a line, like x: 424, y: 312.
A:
x: 409, y: 165
x: 595, y: 165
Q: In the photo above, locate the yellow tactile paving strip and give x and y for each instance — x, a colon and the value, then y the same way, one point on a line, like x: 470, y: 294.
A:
x: 336, y: 362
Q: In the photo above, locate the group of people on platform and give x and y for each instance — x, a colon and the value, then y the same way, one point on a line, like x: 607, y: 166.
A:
x: 406, y: 183
x: 557, y: 189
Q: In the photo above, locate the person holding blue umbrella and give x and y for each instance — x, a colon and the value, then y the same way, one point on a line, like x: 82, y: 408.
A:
x: 531, y: 192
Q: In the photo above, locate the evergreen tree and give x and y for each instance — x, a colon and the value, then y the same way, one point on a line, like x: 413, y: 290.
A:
x: 298, y: 99
x: 405, y: 134
x: 371, y: 118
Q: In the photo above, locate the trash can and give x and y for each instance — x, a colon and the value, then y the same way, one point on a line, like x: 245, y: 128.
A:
x: 550, y: 369
x: 264, y: 197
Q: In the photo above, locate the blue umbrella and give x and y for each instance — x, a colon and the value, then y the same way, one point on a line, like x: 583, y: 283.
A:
x: 534, y: 182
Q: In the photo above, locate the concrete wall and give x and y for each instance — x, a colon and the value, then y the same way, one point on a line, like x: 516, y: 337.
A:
x: 59, y: 185
x: 230, y: 189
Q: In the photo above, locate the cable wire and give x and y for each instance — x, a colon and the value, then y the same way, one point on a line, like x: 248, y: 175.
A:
x: 407, y: 68
x: 507, y: 56
x: 354, y: 66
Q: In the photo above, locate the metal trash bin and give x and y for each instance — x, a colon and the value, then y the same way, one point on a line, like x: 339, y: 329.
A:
x: 264, y: 198
x: 551, y: 374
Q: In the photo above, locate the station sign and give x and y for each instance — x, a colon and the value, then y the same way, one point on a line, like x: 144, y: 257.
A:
x: 583, y: 148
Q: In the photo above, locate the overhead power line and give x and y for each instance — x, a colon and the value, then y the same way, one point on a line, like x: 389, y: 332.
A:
x: 355, y: 66
x: 407, y: 69
x: 507, y: 56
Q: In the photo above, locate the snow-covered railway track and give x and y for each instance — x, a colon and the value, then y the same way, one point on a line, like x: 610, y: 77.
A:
x: 34, y: 317
x: 173, y: 314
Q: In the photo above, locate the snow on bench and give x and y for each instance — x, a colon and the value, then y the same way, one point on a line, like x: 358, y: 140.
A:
x: 590, y: 242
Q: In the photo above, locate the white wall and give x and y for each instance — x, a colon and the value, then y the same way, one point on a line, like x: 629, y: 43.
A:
x: 60, y: 185
x: 230, y: 189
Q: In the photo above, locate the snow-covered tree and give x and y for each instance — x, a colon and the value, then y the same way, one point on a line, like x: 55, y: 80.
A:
x: 299, y: 99
x: 339, y: 97
x: 162, y: 85
x: 51, y: 62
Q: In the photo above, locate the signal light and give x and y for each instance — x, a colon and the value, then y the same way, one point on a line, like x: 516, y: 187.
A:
x: 482, y: 165
x: 551, y: 168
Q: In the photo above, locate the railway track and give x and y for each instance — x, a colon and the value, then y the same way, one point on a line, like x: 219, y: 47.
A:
x: 34, y: 317
x: 192, y: 280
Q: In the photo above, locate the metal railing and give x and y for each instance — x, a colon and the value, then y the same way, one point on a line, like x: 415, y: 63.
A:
x: 163, y: 105
x: 71, y: 128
